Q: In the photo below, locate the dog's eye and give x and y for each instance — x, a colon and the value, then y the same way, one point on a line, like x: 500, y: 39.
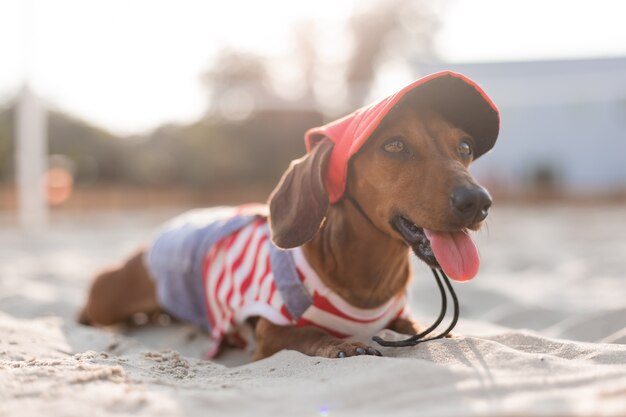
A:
x: 395, y: 145
x: 465, y: 149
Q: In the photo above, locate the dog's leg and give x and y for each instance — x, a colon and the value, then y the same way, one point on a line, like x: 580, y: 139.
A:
x: 115, y: 295
x: 405, y: 325
x: 270, y: 338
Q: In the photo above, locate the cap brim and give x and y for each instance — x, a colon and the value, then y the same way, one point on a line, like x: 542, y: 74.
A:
x: 462, y: 103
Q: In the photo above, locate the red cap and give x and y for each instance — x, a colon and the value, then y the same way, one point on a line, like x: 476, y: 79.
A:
x: 454, y: 96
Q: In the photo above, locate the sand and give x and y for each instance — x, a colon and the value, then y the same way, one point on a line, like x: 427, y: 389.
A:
x: 542, y: 333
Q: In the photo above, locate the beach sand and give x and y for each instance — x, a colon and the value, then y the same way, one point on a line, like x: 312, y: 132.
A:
x: 542, y: 333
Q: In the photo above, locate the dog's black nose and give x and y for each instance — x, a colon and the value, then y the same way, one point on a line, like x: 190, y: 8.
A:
x: 471, y: 204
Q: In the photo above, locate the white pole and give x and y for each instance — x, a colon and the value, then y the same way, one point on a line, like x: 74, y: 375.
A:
x: 31, y: 160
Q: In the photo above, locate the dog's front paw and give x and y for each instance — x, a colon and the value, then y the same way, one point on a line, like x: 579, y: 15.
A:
x: 342, y: 349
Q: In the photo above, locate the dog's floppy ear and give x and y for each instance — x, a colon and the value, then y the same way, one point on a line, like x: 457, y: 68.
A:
x: 299, y: 202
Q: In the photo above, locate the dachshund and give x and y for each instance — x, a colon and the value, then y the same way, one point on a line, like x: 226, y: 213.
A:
x: 329, y: 257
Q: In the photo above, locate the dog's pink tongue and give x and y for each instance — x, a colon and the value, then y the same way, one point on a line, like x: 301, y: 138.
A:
x: 456, y: 253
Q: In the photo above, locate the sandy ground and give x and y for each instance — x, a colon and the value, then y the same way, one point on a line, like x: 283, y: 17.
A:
x: 542, y: 333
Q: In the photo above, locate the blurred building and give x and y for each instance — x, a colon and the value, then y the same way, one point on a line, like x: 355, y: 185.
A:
x: 563, y: 122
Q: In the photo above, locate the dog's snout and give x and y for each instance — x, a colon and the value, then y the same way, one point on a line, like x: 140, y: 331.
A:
x: 471, y: 204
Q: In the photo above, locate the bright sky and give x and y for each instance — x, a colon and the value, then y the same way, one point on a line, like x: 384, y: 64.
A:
x: 130, y: 65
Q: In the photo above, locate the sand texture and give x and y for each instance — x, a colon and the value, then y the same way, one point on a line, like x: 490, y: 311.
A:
x: 542, y: 333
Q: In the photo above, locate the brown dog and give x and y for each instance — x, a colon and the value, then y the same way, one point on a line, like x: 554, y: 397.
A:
x: 408, y: 184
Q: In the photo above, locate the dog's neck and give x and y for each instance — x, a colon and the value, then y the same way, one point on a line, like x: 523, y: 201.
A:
x: 365, y: 266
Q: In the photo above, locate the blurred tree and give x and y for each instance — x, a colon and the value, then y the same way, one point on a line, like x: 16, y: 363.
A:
x: 251, y: 132
x: 306, y: 56
x: 387, y: 29
x: 6, y: 143
x: 237, y: 83
x: 96, y: 154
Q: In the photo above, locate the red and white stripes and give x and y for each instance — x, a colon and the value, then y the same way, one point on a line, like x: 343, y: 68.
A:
x: 239, y: 284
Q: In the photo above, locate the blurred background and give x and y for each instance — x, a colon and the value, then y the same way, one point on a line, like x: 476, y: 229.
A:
x: 116, y: 105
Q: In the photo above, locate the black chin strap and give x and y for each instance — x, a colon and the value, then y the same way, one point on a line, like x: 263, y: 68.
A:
x: 420, y: 337
x: 358, y: 207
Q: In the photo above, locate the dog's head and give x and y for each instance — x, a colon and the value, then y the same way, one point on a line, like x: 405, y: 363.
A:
x: 409, y: 177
